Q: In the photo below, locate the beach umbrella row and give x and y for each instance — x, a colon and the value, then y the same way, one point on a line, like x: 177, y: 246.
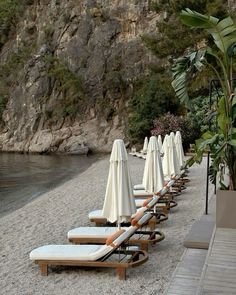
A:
x: 145, y: 144
x: 119, y: 203
x: 155, y: 170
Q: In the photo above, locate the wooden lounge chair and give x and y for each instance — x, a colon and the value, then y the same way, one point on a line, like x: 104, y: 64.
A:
x: 94, y: 255
x: 148, y: 204
x: 98, y: 235
x: 161, y: 212
x: 165, y: 201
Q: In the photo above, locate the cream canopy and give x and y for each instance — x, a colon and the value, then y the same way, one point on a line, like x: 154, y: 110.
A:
x: 119, y: 203
x: 179, y: 148
x: 174, y: 167
x: 170, y: 161
x: 159, y: 140
x: 145, y: 145
x: 153, y: 178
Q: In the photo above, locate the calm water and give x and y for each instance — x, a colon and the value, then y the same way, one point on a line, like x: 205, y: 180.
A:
x: 24, y: 177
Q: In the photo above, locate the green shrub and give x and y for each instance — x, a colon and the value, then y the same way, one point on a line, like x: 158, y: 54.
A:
x: 10, y: 12
x: 69, y: 84
x: 167, y: 42
x: 201, y: 112
x: 48, y: 33
x: 169, y: 122
x: 9, y: 72
x: 3, y: 102
x: 153, y: 97
x: 16, y: 60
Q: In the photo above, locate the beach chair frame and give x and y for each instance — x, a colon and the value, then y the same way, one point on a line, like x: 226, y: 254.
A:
x: 137, y: 258
x: 153, y: 237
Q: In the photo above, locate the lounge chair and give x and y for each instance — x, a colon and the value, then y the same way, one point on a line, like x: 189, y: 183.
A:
x: 164, y: 204
x: 98, y: 235
x: 147, y: 205
x: 166, y: 196
x: 95, y: 255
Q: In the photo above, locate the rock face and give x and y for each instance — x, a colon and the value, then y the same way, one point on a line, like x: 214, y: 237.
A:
x: 98, y: 41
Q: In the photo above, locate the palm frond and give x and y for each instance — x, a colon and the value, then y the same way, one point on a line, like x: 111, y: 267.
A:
x: 182, y: 69
x: 222, y: 31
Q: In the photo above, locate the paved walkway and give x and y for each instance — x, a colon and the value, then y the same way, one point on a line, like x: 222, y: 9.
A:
x: 219, y: 275
x: 186, y: 278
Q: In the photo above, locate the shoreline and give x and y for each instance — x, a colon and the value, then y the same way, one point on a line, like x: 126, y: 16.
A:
x: 47, y: 219
x: 12, y: 198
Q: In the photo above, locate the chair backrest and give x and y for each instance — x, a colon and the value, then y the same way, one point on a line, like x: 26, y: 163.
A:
x: 146, y: 205
x: 123, y: 237
x: 114, y: 241
x: 153, y: 201
x: 166, y: 188
x: 142, y: 221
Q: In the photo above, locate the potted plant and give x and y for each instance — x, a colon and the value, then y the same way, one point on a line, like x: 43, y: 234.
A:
x: 220, y: 59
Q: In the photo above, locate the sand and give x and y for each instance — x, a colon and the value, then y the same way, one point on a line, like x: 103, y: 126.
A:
x: 47, y: 219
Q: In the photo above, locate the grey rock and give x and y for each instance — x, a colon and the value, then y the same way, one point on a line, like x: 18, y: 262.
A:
x: 97, y: 40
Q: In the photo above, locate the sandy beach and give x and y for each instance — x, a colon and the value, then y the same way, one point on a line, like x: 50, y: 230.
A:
x: 47, y: 219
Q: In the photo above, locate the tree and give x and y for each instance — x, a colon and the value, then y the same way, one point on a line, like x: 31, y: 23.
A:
x: 220, y: 59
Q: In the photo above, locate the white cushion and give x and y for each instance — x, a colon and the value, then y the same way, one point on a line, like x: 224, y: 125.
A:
x: 90, y: 232
x: 171, y: 182
x: 139, y: 202
x: 141, y: 193
x: 153, y: 202
x: 144, y: 219
x: 140, y: 155
x: 139, y: 210
x: 97, y: 214
x: 130, y: 230
x: 70, y: 252
x: 138, y: 187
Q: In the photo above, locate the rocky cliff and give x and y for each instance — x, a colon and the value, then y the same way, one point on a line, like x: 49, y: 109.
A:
x: 75, y: 65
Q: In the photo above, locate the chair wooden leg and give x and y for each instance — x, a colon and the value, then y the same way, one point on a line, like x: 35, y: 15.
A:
x: 43, y: 269
x: 144, y: 246
x: 152, y: 223
x: 165, y: 210
x: 121, y: 273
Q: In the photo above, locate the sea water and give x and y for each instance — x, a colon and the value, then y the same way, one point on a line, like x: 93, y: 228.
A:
x: 23, y: 177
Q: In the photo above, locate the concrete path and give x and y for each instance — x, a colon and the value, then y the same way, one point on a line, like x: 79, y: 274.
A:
x: 186, y: 278
x: 219, y: 275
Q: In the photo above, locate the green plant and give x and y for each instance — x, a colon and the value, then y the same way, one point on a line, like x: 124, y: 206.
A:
x: 48, y: 33
x: 220, y: 58
x: 166, y: 43
x: 153, y: 97
x: 9, y: 72
x: 68, y: 83
x: 3, y: 102
x: 200, y: 114
x: 10, y: 12
x: 168, y: 122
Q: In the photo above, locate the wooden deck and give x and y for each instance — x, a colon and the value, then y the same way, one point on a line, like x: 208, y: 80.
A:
x: 186, y: 277
x: 219, y: 274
